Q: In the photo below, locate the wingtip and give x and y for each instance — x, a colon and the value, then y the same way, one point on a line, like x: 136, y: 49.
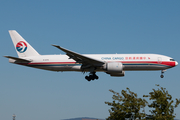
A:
x: 55, y: 45
x: 6, y: 56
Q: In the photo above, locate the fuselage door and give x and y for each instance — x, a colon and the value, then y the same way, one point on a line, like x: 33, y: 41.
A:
x: 159, y: 60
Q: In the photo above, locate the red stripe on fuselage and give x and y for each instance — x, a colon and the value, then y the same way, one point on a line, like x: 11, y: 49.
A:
x: 52, y: 63
x: 167, y: 63
x: 47, y: 63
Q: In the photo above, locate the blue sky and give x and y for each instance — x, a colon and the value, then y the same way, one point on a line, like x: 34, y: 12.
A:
x: 96, y: 27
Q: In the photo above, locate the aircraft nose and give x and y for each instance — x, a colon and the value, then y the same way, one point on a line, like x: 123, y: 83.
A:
x: 176, y: 63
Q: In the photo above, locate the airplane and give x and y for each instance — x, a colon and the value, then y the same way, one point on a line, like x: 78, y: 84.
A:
x: 112, y: 64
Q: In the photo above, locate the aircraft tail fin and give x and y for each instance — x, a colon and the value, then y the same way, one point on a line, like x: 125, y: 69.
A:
x: 23, y: 48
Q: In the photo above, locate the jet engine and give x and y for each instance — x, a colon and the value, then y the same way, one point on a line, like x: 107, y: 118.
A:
x: 114, y: 68
x: 117, y: 74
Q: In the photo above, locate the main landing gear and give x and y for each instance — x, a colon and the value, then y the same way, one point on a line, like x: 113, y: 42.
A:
x: 92, y: 76
x: 162, y: 72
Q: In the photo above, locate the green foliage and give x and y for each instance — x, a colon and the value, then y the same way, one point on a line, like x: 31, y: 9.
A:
x: 126, y: 106
x: 162, y: 104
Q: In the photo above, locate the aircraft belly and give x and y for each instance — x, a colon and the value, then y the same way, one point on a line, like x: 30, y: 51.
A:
x: 72, y: 66
x: 58, y: 67
x: 144, y: 67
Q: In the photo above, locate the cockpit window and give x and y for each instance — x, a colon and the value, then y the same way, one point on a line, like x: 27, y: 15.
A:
x: 172, y: 60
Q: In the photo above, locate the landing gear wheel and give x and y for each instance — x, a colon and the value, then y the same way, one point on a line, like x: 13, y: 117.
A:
x: 92, y: 76
x: 162, y: 76
x: 162, y: 72
x: 96, y: 77
x: 88, y: 78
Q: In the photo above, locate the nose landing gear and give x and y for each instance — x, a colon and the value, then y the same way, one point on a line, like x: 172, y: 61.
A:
x: 162, y: 76
x: 162, y: 72
x: 91, y: 76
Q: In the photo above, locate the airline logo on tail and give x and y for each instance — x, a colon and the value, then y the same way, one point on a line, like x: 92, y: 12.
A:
x: 21, y: 46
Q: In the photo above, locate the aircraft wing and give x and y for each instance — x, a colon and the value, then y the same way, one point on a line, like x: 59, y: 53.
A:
x: 81, y: 58
x: 18, y: 59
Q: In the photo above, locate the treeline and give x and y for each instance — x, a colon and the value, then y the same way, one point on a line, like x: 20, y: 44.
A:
x: 128, y: 105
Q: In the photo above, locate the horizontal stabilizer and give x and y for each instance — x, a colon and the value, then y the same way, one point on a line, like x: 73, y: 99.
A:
x: 18, y: 59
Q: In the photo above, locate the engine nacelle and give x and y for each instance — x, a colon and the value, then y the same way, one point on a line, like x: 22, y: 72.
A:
x: 114, y: 67
x: 117, y: 74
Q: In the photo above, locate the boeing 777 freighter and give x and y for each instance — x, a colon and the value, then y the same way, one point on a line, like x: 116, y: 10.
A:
x: 112, y: 64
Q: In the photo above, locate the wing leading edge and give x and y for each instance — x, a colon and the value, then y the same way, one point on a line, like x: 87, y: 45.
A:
x: 86, y: 61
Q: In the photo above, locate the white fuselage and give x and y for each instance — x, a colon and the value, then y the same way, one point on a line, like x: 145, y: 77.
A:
x: 130, y: 62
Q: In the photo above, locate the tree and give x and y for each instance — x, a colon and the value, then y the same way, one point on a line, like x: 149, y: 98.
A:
x: 126, y: 106
x: 162, y: 104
